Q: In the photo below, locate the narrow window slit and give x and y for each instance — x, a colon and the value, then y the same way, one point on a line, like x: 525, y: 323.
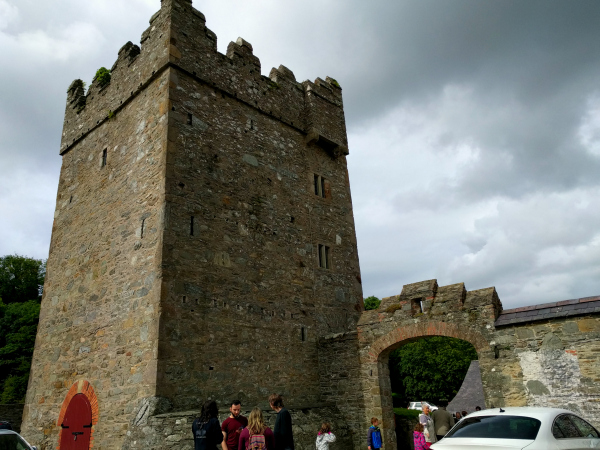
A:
x: 303, y: 334
x: 142, y: 228
x: 324, y: 256
x: 192, y: 226
x: 190, y: 119
x: 104, y: 156
x: 184, y: 299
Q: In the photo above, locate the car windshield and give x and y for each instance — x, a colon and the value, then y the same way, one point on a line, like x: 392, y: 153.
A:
x: 496, y: 427
x: 12, y: 442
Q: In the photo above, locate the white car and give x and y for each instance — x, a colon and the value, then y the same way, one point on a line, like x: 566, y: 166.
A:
x: 521, y: 428
x: 10, y: 440
x: 419, y: 406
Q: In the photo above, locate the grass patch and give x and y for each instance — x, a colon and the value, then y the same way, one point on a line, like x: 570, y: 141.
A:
x: 408, y: 413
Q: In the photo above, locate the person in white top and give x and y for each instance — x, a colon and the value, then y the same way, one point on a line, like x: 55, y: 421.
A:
x: 325, y: 437
x: 429, y: 428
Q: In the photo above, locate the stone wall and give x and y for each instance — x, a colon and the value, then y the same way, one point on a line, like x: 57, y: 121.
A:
x: 184, y: 262
x: 99, y: 314
x: 543, y: 355
x: 12, y: 413
x: 340, y: 371
x: 555, y: 363
x: 174, y: 430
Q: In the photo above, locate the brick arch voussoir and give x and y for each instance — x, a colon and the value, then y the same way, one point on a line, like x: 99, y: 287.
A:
x: 80, y: 387
x: 425, y: 329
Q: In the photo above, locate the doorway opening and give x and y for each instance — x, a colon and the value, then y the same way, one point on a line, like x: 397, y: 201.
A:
x: 428, y: 370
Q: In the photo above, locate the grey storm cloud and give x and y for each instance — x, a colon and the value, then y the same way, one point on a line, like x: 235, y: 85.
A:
x: 474, y: 126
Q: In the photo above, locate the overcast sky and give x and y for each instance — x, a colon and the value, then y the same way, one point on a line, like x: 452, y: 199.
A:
x: 474, y: 126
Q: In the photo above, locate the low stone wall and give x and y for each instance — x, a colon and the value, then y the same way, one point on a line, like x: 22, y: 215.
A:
x: 14, y: 414
x: 404, y: 432
x: 174, y: 430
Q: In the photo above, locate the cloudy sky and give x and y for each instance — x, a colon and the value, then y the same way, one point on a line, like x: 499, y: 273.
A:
x: 474, y: 126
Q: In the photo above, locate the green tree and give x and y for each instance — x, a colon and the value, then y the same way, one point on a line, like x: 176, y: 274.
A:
x: 21, y: 278
x: 18, y: 326
x: 21, y: 282
x: 372, y: 303
x: 430, y: 369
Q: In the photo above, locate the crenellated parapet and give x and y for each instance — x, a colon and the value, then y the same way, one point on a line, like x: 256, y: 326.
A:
x: 426, y: 300
x: 178, y: 38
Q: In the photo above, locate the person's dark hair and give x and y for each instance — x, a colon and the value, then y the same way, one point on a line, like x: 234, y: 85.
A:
x: 235, y: 402
x: 443, y: 402
x: 325, y: 428
x: 478, y: 408
x: 209, y: 411
x: 276, y: 400
x: 464, y: 413
x: 419, y: 427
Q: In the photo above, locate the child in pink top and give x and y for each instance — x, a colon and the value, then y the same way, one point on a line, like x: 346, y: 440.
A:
x: 420, y: 443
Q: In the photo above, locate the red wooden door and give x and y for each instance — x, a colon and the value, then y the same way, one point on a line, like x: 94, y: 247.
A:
x: 77, y: 424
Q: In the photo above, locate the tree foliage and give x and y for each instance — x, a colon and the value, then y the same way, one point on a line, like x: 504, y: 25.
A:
x: 21, y: 281
x: 430, y: 369
x: 372, y: 303
x: 21, y: 278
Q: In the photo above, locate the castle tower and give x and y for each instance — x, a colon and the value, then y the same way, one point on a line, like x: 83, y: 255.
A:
x: 203, y: 238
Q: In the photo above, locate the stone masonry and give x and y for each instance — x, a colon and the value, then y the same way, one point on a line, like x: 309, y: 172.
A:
x: 203, y: 239
x: 204, y: 247
x: 545, y: 355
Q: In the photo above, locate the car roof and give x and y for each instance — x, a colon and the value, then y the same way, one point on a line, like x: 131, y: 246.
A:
x: 8, y: 432
x: 526, y: 411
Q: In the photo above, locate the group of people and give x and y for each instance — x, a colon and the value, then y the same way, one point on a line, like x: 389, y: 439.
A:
x: 434, y: 425
x: 240, y: 433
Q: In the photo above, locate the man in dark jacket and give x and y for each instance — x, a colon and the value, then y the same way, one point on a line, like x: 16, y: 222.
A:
x: 284, y: 437
x: 442, y: 420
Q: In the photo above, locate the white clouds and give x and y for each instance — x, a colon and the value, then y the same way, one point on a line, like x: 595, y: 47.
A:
x: 27, y: 200
x: 8, y: 14
x: 426, y: 203
x: 40, y: 47
x: 473, y: 152
x: 589, y: 130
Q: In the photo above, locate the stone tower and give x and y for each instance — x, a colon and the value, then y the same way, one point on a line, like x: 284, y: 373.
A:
x: 203, y: 238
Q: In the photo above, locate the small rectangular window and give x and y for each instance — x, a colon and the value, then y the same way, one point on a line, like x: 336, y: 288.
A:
x: 303, y: 334
x: 142, y: 228
x: 192, y: 226
x: 320, y: 186
x: 324, y: 256
x: 190, y: 119
x: 104, y: 156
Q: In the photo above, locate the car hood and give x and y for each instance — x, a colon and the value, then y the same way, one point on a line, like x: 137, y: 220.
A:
x: 481, y: 443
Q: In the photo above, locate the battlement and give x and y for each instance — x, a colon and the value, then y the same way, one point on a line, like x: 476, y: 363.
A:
x: 178, y: 38
x: 427, y: 298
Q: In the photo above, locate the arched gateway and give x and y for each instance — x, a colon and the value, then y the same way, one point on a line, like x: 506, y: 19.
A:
x: 527, y: 356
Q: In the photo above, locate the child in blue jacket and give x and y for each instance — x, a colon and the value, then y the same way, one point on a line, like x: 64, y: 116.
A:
x: 374, y: 436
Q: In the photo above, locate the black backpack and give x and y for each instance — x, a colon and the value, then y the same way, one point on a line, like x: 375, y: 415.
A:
x: 202, y: 439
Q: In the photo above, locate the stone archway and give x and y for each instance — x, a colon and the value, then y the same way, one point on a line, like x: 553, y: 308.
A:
x: 421, y: 310
x: 379, y: 403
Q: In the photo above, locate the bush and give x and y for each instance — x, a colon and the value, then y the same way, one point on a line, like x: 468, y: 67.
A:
x: 372, y: 303
x: 102, y: 76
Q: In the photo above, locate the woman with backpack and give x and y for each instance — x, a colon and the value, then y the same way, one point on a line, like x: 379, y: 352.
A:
x: 325, y: 437
x: 257, y: 435
x: 206, y: 428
